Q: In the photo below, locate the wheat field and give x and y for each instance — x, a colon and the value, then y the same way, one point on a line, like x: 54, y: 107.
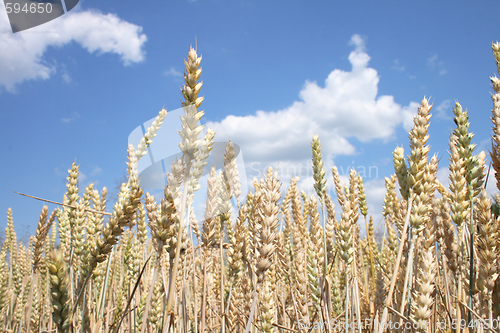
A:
x: 282, y: 263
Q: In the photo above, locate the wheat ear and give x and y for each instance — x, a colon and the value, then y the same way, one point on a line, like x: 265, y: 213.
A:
x: 495, y: 119
x: 189, y: 146
x: 412, y: 186
x: 59, y: 279
x: 487, y: 248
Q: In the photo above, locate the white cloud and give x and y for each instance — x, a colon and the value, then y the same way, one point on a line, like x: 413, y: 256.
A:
x: 442, y: 175
x: 347, y: 106
x: 59, y: 173
x: 82, y: 177
x: 172, y: 72
x: 66, y: 77
x: 86, y: 175
x: 74, y: 116
x: 22, y: 54
x: 95, y: 171
x: 398, y: 66
x: 433, y: 63
x: 375, y: 194
x: 443, y: 110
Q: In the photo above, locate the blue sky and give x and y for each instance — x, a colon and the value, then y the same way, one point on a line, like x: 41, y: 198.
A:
x: 275, y: 73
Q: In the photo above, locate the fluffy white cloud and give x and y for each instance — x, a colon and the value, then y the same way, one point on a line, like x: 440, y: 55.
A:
x: 21, y: 54
x: 346, y: 106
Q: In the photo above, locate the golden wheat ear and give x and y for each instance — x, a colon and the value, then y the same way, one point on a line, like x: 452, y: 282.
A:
x: 60, y: 290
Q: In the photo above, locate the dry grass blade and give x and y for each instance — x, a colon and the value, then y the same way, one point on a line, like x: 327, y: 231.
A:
x: 252, y: 314
x: 132, y: 295
x: 62, y: 204
x: 284, y: 328
x: 485, y: 325
x: 408, y: 320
